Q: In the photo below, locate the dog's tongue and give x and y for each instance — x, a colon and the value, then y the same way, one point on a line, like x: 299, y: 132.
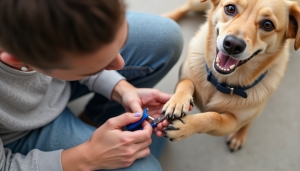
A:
x: 226, y: 61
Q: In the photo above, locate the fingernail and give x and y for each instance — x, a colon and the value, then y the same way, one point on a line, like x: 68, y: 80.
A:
x: 137, y: 114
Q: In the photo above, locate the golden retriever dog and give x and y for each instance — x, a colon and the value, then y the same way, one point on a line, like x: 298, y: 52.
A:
x: 235, y: 62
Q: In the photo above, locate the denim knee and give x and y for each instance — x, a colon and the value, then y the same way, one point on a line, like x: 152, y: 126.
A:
x: 170, y: 41
x: 148, y: 163
x: 163, y: 42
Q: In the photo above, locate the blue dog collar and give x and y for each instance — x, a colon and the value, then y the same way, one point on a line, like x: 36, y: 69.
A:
x: 228, y: 89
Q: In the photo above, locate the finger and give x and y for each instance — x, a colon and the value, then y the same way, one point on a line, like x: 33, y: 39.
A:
x: 162, y: 125
x: 156, y: 95
x: 159, y: 126
x: 156, y: 131
x: 165, y: 123
x: 142, y: 153
x: 135, y: 107
x: 141, y: 135
x: 159, y: 133
x: 147, y: 127
x: 163, y: 97
x: 191, y: 107
x: 142, y: 145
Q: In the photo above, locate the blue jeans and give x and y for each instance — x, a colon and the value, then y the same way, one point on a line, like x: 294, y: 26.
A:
x: 153, y: 47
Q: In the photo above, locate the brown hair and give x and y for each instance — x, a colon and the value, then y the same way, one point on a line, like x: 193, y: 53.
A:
x: 37, y: 32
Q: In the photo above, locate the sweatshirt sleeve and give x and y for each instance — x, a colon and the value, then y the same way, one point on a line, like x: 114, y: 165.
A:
x: 103, y: 82
x: 35, y: 160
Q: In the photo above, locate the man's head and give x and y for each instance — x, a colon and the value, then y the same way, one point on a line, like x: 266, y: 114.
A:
x: 51, y: 34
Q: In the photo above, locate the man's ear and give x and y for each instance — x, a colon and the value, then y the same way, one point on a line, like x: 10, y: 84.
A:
x: 10, y: 60
x: 214, y: 2
x: 293, y: 30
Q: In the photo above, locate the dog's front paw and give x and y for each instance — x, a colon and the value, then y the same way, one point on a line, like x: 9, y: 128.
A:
x: 179, y: 129
x: 236, y: 141
x: 178, y: 106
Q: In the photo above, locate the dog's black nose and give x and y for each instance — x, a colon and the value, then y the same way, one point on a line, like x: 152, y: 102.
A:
x: 234, y: 45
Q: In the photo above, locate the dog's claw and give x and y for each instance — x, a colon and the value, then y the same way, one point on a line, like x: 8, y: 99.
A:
x: 168, y: 115
x: 183, y: 114
x: 192, y: 103
x: 181, y: 121
x: 171, y: 127
x: 171, y: 139
x: 165, y: 133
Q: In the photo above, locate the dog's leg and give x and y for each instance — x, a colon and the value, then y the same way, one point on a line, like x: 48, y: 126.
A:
x: 237, y: 139
x: 178, y: 13
x: 179, y: 104
x: 209, y: 122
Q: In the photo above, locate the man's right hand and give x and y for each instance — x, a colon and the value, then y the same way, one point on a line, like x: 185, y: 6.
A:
x: 109, y: 147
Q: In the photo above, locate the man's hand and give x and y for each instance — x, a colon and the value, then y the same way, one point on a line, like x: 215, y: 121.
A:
x: 152, y: 99
x: 109, y: 147
x: 136, y: 99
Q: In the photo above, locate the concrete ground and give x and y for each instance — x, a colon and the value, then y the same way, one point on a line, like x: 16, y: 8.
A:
x: 273, y: 142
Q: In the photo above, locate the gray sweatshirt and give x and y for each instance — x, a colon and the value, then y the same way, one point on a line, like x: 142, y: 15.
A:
x: 29, y: 100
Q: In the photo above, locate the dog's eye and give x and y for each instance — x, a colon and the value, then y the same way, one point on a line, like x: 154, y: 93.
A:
x: 230, y: 10
x: 267, y: 25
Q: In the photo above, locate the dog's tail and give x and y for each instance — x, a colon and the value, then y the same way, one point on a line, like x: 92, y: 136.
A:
x: 178, y: 13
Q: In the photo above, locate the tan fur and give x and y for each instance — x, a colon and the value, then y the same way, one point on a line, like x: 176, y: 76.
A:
x: 224, y: 114
x: 190, y: 6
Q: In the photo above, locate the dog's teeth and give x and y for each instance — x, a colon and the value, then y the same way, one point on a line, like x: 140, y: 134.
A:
x: 232, y: 66
x: 217, y: 59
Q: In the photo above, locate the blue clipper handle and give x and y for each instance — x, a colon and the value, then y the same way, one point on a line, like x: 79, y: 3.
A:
x: 137, y: 125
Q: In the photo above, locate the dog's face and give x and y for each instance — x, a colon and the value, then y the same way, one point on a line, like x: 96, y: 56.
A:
x: 246, y: 29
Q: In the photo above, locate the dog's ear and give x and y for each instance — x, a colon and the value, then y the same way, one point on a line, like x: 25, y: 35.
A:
x: 214, y: 2
x: 293, y: 30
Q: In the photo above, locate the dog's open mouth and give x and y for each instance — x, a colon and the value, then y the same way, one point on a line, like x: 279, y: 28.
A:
x: 225, y: 64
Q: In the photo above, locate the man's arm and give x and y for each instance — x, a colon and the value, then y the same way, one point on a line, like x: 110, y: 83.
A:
x: 35, y: 160
x: 120, y: 89
x: 103, y: 82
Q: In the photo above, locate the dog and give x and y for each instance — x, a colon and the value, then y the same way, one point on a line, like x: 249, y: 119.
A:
x: 234, y: 63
